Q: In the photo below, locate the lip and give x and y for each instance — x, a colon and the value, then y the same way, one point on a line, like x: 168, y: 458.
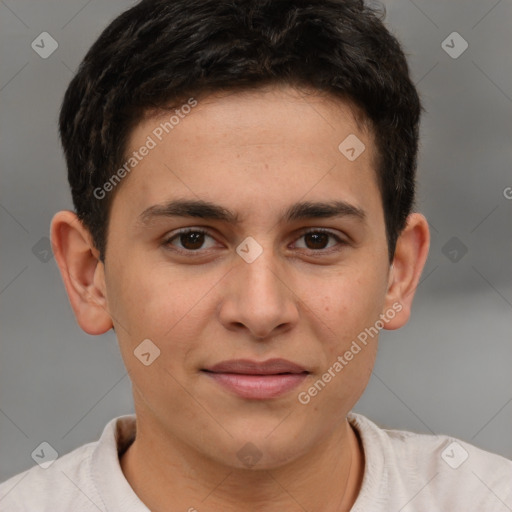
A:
x: 249, y: 367
x: 257, y: 380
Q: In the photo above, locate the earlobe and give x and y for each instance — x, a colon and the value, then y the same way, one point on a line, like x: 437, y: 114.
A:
x: 409, y: 260
x: 82, y: 272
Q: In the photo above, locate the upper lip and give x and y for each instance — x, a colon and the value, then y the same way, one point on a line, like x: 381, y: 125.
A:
x: 248, y: 367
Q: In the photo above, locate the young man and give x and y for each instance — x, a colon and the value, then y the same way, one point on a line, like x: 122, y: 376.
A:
x: 243, y: 176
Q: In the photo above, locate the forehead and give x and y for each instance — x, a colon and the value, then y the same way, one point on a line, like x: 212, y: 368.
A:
x: 260, y: 146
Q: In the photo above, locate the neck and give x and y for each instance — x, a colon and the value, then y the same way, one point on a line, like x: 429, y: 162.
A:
x: 163, y: 471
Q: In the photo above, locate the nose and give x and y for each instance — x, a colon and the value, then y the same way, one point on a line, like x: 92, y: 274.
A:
x: 258, y: 298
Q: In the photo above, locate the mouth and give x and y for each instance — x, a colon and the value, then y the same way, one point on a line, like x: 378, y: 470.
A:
x: 257, y: 380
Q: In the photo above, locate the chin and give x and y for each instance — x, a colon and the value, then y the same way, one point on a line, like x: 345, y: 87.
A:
x: 262, y: 452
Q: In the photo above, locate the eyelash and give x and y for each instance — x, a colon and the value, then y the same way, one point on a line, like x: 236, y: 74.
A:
x: 167, y: 242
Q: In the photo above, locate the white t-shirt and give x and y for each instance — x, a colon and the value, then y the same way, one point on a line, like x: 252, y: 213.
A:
x: 404, y: 472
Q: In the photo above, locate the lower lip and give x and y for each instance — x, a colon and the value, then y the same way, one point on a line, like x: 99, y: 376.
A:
x: 258, y: 387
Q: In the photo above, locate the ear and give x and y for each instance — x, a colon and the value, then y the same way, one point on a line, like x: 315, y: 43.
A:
x: 409, y: 259
x: 82, y: 272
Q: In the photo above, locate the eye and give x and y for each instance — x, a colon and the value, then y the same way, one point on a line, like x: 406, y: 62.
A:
x: 318, y: 239
x: 191, y: 240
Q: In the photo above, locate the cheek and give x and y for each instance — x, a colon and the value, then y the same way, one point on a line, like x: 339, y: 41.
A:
x: 348, y: 352
x: 144, y: 298
x: 156, y: 305
x: 350, y: 304
x: 350, y: 308
x: 160, y: 304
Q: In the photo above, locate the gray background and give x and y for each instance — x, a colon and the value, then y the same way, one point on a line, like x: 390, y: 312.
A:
x: 446, y: 372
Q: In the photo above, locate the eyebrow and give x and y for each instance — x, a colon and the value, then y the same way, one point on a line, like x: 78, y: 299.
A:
x: 211, y: 211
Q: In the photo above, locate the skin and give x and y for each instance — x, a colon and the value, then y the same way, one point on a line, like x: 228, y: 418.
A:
x: 255, y: 153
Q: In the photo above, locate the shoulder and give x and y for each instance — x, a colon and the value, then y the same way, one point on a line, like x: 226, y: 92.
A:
x: 72, y: 481
x: 432, y: 470
x: 32, y: 489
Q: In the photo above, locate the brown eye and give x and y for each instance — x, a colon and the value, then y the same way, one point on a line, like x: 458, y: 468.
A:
x: 192, y: 240
x: 189, y: 240
x: 318, y: 240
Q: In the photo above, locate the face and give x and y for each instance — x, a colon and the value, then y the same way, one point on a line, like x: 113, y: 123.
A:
x: 261, y: 274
